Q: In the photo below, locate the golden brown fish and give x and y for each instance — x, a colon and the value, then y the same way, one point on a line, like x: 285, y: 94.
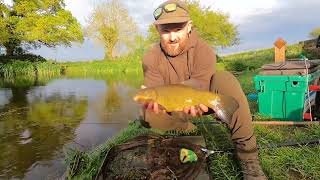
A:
x: 176, y: 97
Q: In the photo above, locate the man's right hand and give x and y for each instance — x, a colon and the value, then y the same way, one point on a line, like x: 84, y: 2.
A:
x: 153, y: 106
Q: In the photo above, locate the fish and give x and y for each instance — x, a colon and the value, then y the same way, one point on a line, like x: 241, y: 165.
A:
x: 175, y: 97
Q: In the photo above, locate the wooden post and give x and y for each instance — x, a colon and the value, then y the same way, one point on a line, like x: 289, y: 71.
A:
x: 280, y: 50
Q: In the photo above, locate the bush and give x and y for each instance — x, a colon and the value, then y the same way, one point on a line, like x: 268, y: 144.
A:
x: 22, y: 57
x: 241, y: 65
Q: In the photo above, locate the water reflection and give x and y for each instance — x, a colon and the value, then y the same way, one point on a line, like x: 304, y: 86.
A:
x: 5, y: 95
x: 38, y: 122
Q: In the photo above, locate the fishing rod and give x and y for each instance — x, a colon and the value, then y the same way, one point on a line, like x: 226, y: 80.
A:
x: 291, y: 144
x: 280, y: 123
x: 290, y: 123
x: 311, y: 142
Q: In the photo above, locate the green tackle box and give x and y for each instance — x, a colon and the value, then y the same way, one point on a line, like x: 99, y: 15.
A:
x: 284, y: 97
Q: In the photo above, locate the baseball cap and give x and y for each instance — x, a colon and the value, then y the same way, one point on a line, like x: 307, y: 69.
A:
x: 172, y: 11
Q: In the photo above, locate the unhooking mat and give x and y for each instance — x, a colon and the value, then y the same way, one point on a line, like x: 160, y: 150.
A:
x: 151, y: 157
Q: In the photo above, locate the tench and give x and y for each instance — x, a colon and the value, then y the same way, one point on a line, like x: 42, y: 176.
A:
x: 175, y: 97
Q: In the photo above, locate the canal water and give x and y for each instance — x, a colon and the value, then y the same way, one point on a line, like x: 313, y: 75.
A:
x: 40, y: 121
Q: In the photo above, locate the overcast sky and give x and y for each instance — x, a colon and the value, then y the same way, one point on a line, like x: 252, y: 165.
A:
x: 260, y: 23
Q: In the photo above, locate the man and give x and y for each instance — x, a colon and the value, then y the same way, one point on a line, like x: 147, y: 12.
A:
x: 182, y: 57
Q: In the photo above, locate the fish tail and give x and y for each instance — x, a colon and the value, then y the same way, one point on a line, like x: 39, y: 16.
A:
x: 224, y: 107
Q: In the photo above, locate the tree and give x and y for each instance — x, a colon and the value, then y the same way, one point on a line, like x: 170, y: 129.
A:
x: 153, y: 35
x: 315, y: 33
x: 111, y: 25
x: 214, y: 27
x: 35, y: 23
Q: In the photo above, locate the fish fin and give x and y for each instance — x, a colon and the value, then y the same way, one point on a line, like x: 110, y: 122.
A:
x: 224, y: 107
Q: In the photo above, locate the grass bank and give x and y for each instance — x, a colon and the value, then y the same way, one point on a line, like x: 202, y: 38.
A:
x: 25, y: 68
x: 278, y: 163
x: 30, y: 64
x: 253, y: 60
x: 100, y: 67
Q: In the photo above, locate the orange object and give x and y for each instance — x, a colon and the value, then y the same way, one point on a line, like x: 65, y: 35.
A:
x: 280, y: 50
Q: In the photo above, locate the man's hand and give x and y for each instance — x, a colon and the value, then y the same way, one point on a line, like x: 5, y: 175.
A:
x: 153, y: 106
x: 196, y: 110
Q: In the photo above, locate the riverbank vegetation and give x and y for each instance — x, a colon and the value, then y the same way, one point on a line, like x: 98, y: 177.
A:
x: 251, y: 60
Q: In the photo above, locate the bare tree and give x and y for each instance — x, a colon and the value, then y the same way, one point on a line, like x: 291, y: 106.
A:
x: 111, y: 25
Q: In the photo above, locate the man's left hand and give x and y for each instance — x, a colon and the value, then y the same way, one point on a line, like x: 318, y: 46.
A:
x: 196, y: 110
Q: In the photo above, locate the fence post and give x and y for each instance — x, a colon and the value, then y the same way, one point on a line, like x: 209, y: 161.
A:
x: 280, y: 50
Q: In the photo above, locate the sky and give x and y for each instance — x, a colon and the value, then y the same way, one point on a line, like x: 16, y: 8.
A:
x: 259, y: 22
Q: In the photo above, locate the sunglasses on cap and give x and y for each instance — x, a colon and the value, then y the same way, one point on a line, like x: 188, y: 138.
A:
x: 167, y: 8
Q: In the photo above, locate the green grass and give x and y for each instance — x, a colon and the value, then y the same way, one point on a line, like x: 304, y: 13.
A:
x: 278, y: 163
x: 17, y: 68
x: 289, y: 163
x: 17, y: 82
x: 25, y: 68
x: 101, y: 67
x: 253, y: 60
x: 26, y: 74
x: 264, y: 55
x: 48, y: 69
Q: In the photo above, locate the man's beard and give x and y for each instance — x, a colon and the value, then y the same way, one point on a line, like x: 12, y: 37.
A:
x: 173, y: 50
